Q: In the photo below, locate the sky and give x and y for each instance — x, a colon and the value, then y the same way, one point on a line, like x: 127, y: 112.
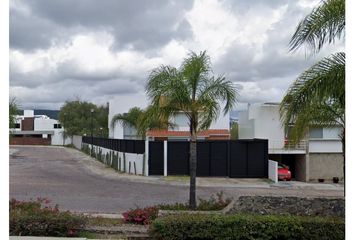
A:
x: 97, y: 51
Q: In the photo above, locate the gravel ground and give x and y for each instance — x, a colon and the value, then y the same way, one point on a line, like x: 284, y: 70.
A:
x: 80, y: 184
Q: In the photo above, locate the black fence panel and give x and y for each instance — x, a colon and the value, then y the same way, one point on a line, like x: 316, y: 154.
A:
x: 156, y: 158
x: 121, y: 145
x: 219, y: 158
x: 178, y: 158
x: 238, y: 159
x: 203, y: 159
x: 255, y: 159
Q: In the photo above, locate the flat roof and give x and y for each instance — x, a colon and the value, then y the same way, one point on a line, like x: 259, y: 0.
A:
x: 31, y: 132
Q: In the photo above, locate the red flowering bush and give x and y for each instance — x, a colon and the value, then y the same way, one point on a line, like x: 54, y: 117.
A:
x: 141, y: 215
x: 38, y: 218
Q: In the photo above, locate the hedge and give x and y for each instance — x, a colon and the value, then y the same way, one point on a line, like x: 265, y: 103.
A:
x: 247, y: 227
x: 38, y: 218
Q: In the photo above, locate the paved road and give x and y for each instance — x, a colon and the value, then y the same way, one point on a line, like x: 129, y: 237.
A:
x: 78, y: 183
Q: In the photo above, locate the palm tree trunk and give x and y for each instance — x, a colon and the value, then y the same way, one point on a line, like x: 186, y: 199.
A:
x: 343, y: 149
x: 193, y: 169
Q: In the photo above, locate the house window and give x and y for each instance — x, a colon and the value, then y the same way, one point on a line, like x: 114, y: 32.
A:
x: 316, y: 132
x: 57, y: 125
x: 17, y: 125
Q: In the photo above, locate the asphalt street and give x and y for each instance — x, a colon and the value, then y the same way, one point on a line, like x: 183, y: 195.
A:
x: 69, y: 178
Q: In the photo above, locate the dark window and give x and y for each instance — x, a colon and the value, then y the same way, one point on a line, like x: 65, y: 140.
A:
x: 17, y: 125
x: 57, y: 125
x: 316, y: 133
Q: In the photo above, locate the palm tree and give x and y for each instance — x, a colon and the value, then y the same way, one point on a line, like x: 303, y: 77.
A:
x: 141, y: 120
x: 131, y: 118
x: 192, y: 90
x: 317, y: 97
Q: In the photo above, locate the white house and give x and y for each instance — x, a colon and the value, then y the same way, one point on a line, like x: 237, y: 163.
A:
x: 219, y: 129
x: 319, y: 155
x: 37, y: 129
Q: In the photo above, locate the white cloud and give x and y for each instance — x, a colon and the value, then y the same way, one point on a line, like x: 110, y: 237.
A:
x: 67, y: 53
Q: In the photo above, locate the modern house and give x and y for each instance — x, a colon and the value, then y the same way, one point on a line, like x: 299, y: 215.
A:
x: 33, y: 129
x: 219, y: 129
x: 317, y: 156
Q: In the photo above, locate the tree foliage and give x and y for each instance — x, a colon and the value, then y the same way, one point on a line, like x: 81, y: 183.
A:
x: 76, y: 116
x: 13, y: 109
x: 141, y: 120
x: 193, y: 90
x: 234, y: 131
x: 317, y: 97
x: 324, y: 24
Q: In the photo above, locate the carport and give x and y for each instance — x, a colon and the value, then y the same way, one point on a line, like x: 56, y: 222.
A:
x: 296, y: 163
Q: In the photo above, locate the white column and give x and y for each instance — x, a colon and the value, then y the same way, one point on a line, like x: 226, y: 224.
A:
x: 146, y: 157
x: 165, y: 158
x: 273, y: 170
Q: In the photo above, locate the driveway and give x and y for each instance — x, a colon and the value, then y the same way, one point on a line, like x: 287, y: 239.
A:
x: 78, y: 183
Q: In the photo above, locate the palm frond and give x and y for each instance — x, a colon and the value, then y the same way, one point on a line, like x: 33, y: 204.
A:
x: 127, y: 119
x: 317, y: 96
x: 323, y: 25
x: 220, y: 89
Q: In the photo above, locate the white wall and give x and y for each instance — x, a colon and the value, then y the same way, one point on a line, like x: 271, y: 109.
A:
x: 136, y: 161
x: 47, y: 124
x: 245, y: 126
x: 262, y: 121
x: 28, y: 113
x: 273, y: 170
x: 122, y: 104
x: 182, y: 122
x: 325, y: 146
x: 77, y: 141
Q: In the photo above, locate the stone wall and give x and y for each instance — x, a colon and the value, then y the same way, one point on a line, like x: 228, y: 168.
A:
x: 300, y: 167
x: 326, y: 166
x: 288, y: 206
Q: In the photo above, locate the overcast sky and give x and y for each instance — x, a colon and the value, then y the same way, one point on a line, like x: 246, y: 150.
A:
x: 101, y: 50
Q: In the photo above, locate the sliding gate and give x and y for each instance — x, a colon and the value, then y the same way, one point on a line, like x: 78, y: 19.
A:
x: 233, y: 158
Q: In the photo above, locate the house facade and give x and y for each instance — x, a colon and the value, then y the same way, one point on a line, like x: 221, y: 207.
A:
x: 219, y: 129
x: 33, y: 129
x: 318, y: 155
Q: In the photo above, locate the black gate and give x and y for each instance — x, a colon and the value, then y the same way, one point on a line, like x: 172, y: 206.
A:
x: 156, y: 158
x: 178, y: 158
x: 249, y: 158
x: 233, y: 158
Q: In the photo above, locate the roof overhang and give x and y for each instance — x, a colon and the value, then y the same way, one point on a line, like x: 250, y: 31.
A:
x: 31, y: 132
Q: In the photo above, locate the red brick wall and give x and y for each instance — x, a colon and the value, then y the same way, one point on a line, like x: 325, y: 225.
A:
x: 219, y: 138
x: 29, y: 141
x: 27, y: 124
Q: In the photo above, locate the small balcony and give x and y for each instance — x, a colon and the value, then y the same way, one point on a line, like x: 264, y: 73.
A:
x: 287, y: 147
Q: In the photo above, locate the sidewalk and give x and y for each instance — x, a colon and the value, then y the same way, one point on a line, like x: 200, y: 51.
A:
x: 97, y: 167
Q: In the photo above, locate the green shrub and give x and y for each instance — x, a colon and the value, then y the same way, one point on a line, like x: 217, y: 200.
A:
x: 37, y: 218
x: 213, y: 203
x: 246, y: 227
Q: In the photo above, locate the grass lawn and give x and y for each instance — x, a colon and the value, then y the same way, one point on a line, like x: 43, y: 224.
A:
x: 181, y: 178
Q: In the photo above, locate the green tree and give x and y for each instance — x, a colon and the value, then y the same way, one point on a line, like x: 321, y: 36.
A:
x: 234, y: 131
x: 77, y: 119
x: 317, y: 97
x: 192, y: 90
x: 141, y: 120
x: 13, y: 109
